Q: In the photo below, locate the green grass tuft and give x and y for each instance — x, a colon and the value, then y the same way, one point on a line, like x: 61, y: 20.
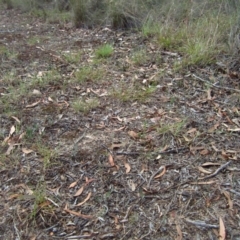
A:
x: 104, y: 51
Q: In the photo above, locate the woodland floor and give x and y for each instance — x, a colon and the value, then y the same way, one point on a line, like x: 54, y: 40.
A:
x: 155, y: 154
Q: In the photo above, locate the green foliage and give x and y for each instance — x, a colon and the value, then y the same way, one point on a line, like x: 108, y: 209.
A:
x: 104, y: 51
x: 39, y: 197
x: 73, y: 57
x: 8, y: 3
x: 133, y: 93
x: 199, y: 30
x: 85, y: 106
x: 172, y: 128
x: 139, y: 57
x: 88, y: 73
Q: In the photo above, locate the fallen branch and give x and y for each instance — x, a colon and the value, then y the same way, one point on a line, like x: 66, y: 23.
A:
x: 201, y: 223
x: 217, y: 171
x: 225, y: 88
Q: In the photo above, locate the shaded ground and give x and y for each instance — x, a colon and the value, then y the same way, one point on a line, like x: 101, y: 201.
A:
x: 154, y: 155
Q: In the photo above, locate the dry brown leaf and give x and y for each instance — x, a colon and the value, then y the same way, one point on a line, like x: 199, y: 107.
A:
x: 116, y: 145
x: 73, y: 184
x: 89, y: 180
x: 77, y: 213
x: 50, y: 99
x: 79, y: 191
x: 209, y: 97
x: 231, y: 151
x: 10, y: 148
x: 203, y: 170
x: 133, y: 134
x: 186, y: 139
x: 192, y: 130
x: 212, y: 129
x: 119, y: 129
x: 202, y: 183
x: 27, y: 151
x: 196, y: 148
x: 236, y: 121
x: 27, y: 189
x: 12, y: 130
x: 208, y: 164
x: 16, y: 119
x: 127, y: 166
x: 13, y: 196
x: 234, y: 130
x: 204, y: 152
x: 85, y: 200
x: 110, y: 159
x: 222, y: 231
x: 36, y: 92
x: 164, y: 149
x: 5, y: 140
x: 44, y: 204
x: 225, y: 155
x: 230, y: 202
x: 22, y: 135
x: 179, y: 232
x: 162, y: 173
x: 132, y: 185
x: 33, y: 104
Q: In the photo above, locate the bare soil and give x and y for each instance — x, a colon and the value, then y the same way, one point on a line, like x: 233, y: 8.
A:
x: 141, y: 165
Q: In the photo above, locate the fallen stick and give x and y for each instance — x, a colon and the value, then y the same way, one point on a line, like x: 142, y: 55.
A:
x: 205, y: 81
x: 201, y: 223
x: 217, y: 171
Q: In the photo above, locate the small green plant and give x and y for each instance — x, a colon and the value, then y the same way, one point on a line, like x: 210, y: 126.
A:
x: 8, y: 3
x: 140, y: 57
x: 85, y: 106
x: 47, y: 154
x: 150, y: 29
x: 43, y: 79
x: 133, y: 93
x: 89, y: 73
x: 33, y: 40
x: 6, y: 53
x: 72, y: 57
x: 3, y: 50
x: 31, y: 133
x: 172, y: 128
x: 104, y: 51
x: 39, y: 195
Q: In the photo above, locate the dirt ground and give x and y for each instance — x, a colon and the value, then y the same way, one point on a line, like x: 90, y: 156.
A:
x: 157, y: 156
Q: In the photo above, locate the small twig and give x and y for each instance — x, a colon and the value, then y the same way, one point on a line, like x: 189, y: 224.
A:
x: 217, y: 171
x: 174, y: 150
x: 127, y: 153
x: 16, y: 230
x: 50, y: 200
x: 201, y: 223
x: 50, y: 228
x: 88, y: 236
x: 127, y: 213
x: 225, y: 88
x: 107, y: 149
x: 142, y: 237
x: 79, y: 138
x: 154, y: 174
x: 233, y: 191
